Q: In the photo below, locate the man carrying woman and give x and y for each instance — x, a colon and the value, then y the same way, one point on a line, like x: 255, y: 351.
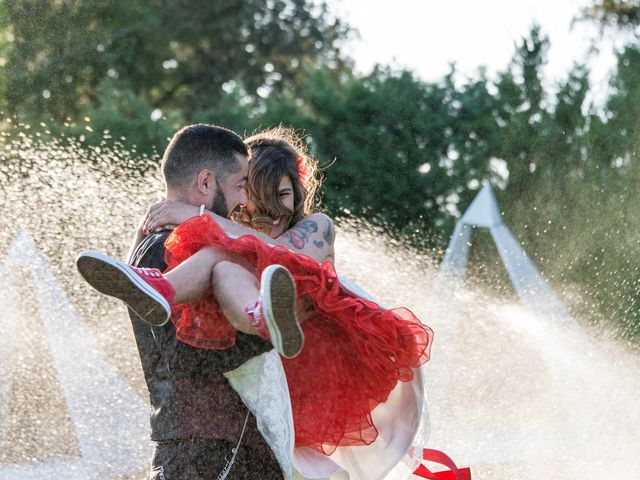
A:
x: 197, y: 418
x: 356, y: 352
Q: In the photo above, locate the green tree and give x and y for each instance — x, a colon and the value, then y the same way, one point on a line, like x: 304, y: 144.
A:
x: 387, y: 134
x: 614, y: 132
x: 172, y: 55
x: 521, y: 112
x: 620, y: 13
x: 6, y: 36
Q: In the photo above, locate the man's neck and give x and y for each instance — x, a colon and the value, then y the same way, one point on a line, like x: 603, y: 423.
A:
x: 181, y: 197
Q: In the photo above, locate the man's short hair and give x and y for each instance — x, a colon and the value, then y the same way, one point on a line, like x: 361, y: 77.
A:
x: 198, y: 147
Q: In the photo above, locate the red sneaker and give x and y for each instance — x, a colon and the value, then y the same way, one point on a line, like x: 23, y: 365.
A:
x: 273, y: 315
x: 144, y: 290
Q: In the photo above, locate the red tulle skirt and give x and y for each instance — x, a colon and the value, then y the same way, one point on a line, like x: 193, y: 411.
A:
x: 355, y: 352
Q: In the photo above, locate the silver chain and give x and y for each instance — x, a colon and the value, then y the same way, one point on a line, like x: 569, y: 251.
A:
x: 234, y: 451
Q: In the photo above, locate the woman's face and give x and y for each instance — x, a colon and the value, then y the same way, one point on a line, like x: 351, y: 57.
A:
x: 280, y: 224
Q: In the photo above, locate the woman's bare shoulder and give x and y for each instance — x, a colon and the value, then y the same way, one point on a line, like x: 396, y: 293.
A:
x: 325, y: 226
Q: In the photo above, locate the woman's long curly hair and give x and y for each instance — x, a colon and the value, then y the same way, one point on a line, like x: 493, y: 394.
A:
x: 274, y: 153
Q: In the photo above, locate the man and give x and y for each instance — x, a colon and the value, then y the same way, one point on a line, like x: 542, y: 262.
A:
x: 197, y: 419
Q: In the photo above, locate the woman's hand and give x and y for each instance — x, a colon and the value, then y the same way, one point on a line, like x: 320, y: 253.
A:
x: 168, y: 213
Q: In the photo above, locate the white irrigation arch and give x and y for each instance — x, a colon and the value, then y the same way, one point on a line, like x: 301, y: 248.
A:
x: 110, y: 421
x: 530, y: 286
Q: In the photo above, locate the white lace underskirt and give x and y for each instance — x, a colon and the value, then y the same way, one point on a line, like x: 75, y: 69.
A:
x: 262, y: 384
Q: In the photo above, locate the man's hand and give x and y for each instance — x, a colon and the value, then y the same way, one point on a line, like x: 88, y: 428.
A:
x: 168, y: 212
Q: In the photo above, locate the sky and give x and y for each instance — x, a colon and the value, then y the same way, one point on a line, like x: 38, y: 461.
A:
x: 427, y: 35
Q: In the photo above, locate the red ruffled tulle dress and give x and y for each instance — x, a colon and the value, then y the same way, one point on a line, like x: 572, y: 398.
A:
x: 355, y: 352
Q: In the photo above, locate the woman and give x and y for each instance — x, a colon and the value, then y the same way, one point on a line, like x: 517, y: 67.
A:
x: 356, y: 351
x: 282, y: 183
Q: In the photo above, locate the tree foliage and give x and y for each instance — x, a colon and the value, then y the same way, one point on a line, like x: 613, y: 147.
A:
x: 618, y: 13
x: 171, y: 54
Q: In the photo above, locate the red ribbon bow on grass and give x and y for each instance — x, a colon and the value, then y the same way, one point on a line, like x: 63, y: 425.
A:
x: 454, y: 473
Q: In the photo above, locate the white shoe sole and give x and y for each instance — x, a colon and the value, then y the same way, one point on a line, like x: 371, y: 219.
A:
x: 116, y: 279
x: 278, y: 292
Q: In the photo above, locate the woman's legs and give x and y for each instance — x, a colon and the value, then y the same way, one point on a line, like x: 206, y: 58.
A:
x: 268, y: 310
x: 235, y: 287
x: 270, y: 314
x: 192, y: 278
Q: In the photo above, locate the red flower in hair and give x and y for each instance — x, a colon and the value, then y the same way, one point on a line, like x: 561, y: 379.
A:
x: 303, y: 170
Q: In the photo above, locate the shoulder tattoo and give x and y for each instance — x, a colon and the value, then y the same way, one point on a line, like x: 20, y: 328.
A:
x: 328, y: 234
x: 298, y: 235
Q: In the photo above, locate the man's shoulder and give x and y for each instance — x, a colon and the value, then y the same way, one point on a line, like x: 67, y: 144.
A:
x: 150, y: 251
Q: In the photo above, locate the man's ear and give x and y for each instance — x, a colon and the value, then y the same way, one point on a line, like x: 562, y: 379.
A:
x: 206, y: 182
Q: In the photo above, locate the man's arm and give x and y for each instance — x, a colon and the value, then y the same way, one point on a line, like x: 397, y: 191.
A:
x: 184, y: 360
